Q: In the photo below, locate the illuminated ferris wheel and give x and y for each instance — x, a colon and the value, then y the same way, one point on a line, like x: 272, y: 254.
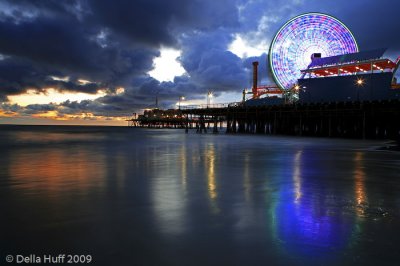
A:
x: 302, y: 36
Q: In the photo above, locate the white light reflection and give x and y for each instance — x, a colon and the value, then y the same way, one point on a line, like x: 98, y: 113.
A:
x: 297, y: 176
x: 246, y: 180
x: 211, y: 180
x: 183, y: 156
x: 169, y: 199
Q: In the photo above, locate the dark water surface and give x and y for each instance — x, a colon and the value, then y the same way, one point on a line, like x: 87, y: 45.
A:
x: 159, y: 197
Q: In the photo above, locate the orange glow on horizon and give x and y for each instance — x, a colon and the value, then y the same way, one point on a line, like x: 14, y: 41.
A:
x: 82, y: 116
x: 54, y: 118
x: 48, y: 114
x: 7, y: 114
x: 51, y: 95
x: 55, y: 97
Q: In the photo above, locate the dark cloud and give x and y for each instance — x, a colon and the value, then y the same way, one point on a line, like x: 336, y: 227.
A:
x: 10, y: 108
x: 67, y: 46
x: 209, y: 64
x: 139, y: 21
x: 155, y: 22
x: 375, y: 24
x: 38, y: 108
x: 53, y: 41
x: 221, y: 70
x: 264, y: 74
x: 18, y: 76
x: 56, y: 41
x: 31, y: 109
x: 95, y: 107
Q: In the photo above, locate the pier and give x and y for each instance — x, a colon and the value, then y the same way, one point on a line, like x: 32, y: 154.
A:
x: 358, y: 119
x: 177, y: 118
x: 362, y: 120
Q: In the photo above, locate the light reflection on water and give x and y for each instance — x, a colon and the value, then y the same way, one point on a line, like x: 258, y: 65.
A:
x: 54, y: 170
x: 211, y: 178
x: 168, y: 189
x: 210, y: 164
x: 246, y: 177
x: 148, y: 197
x: 305, y: 223
x: 359, y: 178
x: 297, y: 176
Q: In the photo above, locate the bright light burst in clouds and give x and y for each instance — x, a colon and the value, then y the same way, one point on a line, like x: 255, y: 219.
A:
x: 166, y: 66
x: 243, y: 49
x: 255, y: 42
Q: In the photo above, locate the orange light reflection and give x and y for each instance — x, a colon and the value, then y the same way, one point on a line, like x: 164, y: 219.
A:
x: 359, y: 177
x: 52, y: 170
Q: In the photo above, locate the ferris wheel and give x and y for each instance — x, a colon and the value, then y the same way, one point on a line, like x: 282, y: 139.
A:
x: 302, y: 36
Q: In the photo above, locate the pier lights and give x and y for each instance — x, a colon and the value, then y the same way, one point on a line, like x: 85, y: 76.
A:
x: 245, y: 91
x: 294, y: 95
x: 360, y: 83
x: 181, y: 98
x: 209, y: 96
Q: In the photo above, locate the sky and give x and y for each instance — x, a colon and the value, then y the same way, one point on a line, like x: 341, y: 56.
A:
x: 95, y: 62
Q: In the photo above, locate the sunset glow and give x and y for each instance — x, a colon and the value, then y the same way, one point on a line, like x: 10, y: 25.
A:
x: 51, y: 96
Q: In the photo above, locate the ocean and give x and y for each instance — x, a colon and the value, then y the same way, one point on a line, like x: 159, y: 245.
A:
x: 132, y: 196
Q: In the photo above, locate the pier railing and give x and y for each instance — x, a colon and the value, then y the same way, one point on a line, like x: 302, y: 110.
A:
x: 210, y: 106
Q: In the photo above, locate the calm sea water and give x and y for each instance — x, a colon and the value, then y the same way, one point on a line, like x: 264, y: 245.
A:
x: 131, y: 196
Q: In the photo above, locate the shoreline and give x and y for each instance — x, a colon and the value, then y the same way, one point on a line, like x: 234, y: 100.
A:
x: 391, y: 146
